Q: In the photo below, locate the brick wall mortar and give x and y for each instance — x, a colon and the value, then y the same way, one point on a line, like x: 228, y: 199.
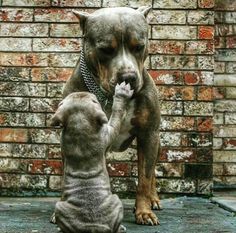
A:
x: 34, y: 64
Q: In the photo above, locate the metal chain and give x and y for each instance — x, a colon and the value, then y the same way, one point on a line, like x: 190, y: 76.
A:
x: 91, y: 84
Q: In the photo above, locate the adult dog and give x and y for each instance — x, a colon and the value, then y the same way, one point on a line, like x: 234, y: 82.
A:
x: 114, y: 50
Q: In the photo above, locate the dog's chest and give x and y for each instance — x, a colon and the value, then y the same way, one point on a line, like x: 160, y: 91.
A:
x: 125, y: 132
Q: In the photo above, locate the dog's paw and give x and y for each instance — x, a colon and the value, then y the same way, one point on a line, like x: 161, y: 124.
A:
x: 124, y: 90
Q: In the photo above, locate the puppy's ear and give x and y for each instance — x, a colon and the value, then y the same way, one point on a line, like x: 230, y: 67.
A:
x: 144, y: 10
x: 82, y: 16
x: 57, y: 119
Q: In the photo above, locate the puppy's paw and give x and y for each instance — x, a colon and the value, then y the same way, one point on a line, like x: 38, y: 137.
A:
x: 123, y: 90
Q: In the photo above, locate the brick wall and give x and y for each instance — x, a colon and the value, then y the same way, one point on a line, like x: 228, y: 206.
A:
x: 39, y: 46
x: 225, y: 94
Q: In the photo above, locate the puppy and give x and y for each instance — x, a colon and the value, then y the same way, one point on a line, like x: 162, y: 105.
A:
x: 87, y: 204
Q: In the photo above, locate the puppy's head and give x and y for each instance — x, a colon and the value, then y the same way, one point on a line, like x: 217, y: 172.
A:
x: 80, y: 109
x: 115, y: 45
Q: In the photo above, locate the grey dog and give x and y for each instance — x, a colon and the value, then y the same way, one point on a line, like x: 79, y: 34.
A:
x: 87, y: 204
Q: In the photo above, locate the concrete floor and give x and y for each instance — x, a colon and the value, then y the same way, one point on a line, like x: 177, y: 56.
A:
x: 180, y: 215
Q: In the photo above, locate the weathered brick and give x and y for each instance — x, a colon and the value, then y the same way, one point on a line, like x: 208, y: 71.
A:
x: 225, y: 105
x: 175, y: 155
x: 47, y: 136
x: 174, y: 32
x: 229, y: 17
x: 118, y: 169
x: 56, y: 45
x: 205, y: 62
x: 65, y: 30
x: 217, y: 143
x: 166, y: 47
x: 224, y: 182
x: 230, y: 118
x: 198, y: 171
x: 199, y: 78
x: 218, y: 118
x: 53, y: 167
x: 204, y: 155
x: 198, y: 108
x: 44, y: 104
x: 225, y: 131
x: 224, y: 156
x: 219, y: 93
x: 170, y: 139
x: 14, y: 104
x: 13, y: 135
x: 14, y: 74
x: 225, y: 5
x: 230, y: 42
x: 230, y: 67
x: 23, y: 89
x: 231, y: 92
x: 176, y: 186
x: 205, y: 186
x: 171, y: 108
x: 123, y: 184
x: 167, y: 17
x: 173, y: 62
x: 22, y: 150
x: 54, y: 15
x: 55, y: 183
x: 129, y: 3
x: 77, y: 3
x: 225, y: 30
x: 200, y: 17
x: 51, y: 74
x: 26, y: 3
x: 24, y: 29
x: 206, y: 3
x: 22, y: 119
x: 225, y: 80
x: 197, y: 140
x: 176, y: 93
x: 12, y: 165
x: 169, y: 170
x: 15, y: 44
x: 205, y: 93
x: 219, y: 42
x: 54, y: 152
x: 24, y: 59
x: 200, y: 47
x: 204, y: 123
x: 230, y: 143
x: 63, y: 59
x: 129, y: 155
x: 220, y: 67
x: 206, y: 32
x: 166, y: 77
x: 172, y: 4
x: 55, y: 90
x: 16, y: 15
x: 177, y: 123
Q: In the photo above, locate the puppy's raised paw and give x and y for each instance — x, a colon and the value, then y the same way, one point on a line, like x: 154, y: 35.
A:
x: 124, y: 90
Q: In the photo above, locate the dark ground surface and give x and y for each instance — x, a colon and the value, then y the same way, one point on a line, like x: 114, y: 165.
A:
x: 182, y: 215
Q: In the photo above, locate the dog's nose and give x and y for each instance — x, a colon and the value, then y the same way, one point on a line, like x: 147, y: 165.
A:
x: 128, y: 77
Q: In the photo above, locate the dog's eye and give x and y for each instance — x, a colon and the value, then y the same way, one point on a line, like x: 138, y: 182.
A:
x: 107, y: 50
x: 138, y: 48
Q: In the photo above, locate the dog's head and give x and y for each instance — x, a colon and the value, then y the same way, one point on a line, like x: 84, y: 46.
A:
x: 115, y: 45
x: 80, y: 111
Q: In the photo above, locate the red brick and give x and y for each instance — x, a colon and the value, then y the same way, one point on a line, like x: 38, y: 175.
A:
x: 13, y: 135
x: 205, y: 93
x: 51, y: 75
x: 166, y: 47
x: 230, y: 143
x: 206, y: 32
x: 219, y: 92
x: 205, y: 123
x: 119, y: 169
x: 16, y: 15
x: 177, y: 155
x: 45, y: 167
x: 206, y: 3
x: 166, y: 77
x: 231, y: 42
x: 219, y: 42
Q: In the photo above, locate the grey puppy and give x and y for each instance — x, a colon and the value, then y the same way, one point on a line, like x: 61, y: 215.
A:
x: 87, y: 204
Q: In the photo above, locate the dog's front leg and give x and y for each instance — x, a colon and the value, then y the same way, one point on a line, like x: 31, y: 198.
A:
x: 148, y: 146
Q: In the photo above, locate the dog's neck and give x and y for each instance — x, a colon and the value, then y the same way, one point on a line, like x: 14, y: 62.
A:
x: 90, y: 83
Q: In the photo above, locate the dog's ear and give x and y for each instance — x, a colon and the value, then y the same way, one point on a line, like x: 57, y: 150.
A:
x: 82, y: 16
x: 144, y: 10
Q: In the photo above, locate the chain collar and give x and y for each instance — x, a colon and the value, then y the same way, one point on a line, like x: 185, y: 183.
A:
x: 91, y: 84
